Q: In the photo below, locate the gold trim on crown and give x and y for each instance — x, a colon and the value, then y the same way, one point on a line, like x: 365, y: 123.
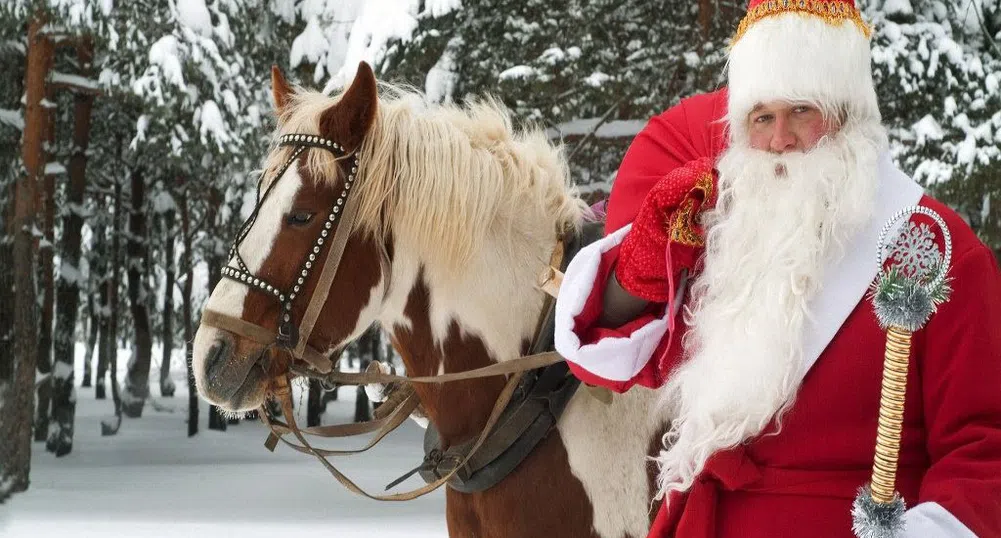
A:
x: 831, y: 12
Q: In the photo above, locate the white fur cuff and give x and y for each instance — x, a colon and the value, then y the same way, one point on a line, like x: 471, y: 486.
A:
x: 615, y: 359
x: 931, y: 520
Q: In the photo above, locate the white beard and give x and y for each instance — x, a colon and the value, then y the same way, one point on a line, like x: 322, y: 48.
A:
x: 768, y: 239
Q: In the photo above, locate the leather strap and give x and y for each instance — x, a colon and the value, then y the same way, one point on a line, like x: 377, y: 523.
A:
x: 323, y: 371
x: 284, y: 395
x: 534, y: 410
x: 384, y: 426
x: 235, y: 325
x: 513, y: 366
x: 262, y: 336
x: 330, y: 267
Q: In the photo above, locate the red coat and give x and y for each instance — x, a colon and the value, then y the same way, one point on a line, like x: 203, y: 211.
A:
x: 802, y: 481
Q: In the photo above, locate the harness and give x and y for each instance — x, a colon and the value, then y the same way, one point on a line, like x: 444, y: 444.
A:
x: 528, y: 408
x: 534, y: 410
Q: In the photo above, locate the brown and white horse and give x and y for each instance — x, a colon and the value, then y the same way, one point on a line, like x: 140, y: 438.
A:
x: 468, y: 212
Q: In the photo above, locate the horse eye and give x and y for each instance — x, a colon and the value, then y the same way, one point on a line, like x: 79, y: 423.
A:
x: 300, y: 218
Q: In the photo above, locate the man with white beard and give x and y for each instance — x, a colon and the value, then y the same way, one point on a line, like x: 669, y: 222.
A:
x: 742, y: 233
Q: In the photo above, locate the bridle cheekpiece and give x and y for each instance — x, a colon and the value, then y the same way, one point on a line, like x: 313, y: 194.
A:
x: 289, y: 334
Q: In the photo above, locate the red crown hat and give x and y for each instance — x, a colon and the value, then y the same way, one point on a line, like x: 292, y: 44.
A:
x: 800, y: 50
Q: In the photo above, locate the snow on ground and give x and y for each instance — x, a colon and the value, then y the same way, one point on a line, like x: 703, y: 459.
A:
x: 152, y: 481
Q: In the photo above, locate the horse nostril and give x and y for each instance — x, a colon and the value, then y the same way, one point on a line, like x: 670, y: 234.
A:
x: 219, y: 351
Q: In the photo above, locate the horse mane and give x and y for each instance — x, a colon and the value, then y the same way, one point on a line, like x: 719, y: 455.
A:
x: 447, y: 174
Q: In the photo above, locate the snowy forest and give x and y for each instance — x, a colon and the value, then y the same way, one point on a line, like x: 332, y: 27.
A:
x: 133, y: 133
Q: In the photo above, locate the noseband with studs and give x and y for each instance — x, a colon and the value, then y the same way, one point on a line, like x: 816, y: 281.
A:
x: 288, y: 336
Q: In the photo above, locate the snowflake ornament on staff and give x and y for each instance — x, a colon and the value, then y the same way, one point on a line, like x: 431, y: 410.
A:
x: 904, y: 297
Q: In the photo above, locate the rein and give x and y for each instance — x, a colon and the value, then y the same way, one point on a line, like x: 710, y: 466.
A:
x: 293, y: 338
x: 398, y: 416
x: 395, y: 417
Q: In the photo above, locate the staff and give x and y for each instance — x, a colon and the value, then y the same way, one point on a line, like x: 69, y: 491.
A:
x: 904, y: 298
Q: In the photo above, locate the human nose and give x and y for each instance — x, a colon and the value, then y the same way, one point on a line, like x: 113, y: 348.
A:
x: 783, y: 139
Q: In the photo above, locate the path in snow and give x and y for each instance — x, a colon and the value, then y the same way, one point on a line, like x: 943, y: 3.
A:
x: 150, y: 480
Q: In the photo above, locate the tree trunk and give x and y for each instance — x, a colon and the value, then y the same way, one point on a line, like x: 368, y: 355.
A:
x: 706, y: 12
x: 101, y: 268
x: 17, y: 397
x: 187, y: 263
x: 314, y: 403
x: 93, y: 326
x: 369, y: 350
x: 216, y: 420
x: 7, y: 297
x: 136, y: 389
x: 363, y: 409
x: 111, y: 427
x: 7, y: 194
x: 111, y: 350
x: 166, y: 383
x: 46, y: 272
x: 63, y: 387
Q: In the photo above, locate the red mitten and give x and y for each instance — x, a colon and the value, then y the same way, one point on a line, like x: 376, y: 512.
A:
x: 666, y: 236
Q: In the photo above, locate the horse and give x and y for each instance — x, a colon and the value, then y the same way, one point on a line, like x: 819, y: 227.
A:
x: 456, y: 211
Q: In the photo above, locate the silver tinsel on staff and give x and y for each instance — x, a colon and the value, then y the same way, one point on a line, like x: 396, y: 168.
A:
x: 904, y: 298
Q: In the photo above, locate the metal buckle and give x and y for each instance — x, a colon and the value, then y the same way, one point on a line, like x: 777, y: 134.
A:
x: 288, y: 335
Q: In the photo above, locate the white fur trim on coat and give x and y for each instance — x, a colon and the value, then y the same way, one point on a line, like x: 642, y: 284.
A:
x: 847, y: 280
x: 793, y: 57
x: 615, y: 359
x: 931, y: 520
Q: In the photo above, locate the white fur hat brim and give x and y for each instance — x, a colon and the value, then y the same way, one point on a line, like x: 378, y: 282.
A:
x: 800, y: 58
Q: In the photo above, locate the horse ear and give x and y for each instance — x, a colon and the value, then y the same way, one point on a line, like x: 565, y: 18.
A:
x: 280, y: 89
x: 349, y: 120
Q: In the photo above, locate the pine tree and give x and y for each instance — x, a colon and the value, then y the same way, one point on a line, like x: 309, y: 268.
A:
x: 592, y: 73
x: 938, y: 74
x: 17, y: 394
x: 60, y: 440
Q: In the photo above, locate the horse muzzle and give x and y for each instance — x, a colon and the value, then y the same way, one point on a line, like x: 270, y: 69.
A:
x: 229, y: 371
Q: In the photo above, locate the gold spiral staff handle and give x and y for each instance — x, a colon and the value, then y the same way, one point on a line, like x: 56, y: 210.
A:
x: 891, y: 416
x: 904, y: 299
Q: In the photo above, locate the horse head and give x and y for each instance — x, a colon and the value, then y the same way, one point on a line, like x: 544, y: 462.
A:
x: 468, y: 210
x: 281, y: 255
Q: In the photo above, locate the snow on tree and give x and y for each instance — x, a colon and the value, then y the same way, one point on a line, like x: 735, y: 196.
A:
x: 938, y: 72
x: 567, y: 63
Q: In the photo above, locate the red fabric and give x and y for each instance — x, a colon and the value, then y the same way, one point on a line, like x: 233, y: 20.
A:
x: 694, y: 514
x: 951, y: 443
x: 589, y: 331
x: 692, y: 129
x: 781, y: 484
x: 666, y: 237
x: 960, y: 380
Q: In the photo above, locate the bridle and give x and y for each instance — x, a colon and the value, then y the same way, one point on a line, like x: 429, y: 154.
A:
x: 290, y: 336
x: 294, y: 338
